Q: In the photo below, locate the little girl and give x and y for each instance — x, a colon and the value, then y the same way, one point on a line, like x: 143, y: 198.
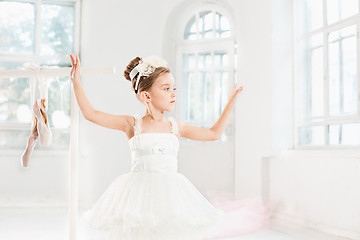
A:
x: 153, y: 200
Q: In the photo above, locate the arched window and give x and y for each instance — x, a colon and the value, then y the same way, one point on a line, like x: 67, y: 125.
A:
x: 206, y: 66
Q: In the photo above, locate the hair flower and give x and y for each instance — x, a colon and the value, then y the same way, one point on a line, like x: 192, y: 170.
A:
x: 146, y: 67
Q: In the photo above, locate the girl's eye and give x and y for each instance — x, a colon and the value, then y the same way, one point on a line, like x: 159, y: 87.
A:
x: 169, y: 88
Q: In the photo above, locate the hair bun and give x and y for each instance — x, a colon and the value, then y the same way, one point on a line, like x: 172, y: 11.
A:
x: 133, y: 63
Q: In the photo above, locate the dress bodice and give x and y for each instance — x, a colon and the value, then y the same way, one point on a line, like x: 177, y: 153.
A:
x: 154, y: 152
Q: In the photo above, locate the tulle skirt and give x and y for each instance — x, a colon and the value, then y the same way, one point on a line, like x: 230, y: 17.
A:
x: 167, y: 206
x: 152, y: 205
x: 242, y: 216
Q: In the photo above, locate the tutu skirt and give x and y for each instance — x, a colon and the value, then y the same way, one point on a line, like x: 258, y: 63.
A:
x: 152, y: 205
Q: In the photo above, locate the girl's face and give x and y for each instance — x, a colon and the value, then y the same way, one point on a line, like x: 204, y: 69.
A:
x: 162, y: 93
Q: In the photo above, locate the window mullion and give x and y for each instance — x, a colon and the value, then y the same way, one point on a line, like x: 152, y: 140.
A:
x: 205, y: 91
x: 196, y: 73
x: 358, y: 64
x: 295, y: 44
x: 325, y: 72
x: 38, y: 31
x: 77, y: 27
x: 197, y: 25
x: 213, y: 25
x: 212, y: 79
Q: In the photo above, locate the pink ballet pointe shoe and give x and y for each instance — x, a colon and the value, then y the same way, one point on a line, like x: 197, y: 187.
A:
x: 45, y: 134
x: 34, y: 135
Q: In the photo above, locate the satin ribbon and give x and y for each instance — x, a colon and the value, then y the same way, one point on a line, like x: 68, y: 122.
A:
x: 37, y: 68
x: 133, y: 74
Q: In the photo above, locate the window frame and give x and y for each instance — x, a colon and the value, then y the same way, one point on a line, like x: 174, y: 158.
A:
x: 325, y: 30
x: 37, y: 59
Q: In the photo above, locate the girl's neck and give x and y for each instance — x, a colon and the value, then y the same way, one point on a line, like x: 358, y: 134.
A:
x: 157, y: 117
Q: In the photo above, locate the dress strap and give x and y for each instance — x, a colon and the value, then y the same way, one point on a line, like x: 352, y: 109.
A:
x: 137, y: 126
x: 174, y: 126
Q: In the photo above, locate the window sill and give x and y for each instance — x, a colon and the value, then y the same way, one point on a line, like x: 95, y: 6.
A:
x: 326, y: 153
x: 37, y: 152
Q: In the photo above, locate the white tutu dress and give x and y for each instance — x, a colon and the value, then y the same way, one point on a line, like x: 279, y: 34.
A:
x: 153, y: 201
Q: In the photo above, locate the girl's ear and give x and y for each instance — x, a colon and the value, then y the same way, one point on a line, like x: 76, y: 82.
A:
x: 145, y: 96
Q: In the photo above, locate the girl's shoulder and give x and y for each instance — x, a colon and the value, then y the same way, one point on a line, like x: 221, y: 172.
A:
x: 178, y: 122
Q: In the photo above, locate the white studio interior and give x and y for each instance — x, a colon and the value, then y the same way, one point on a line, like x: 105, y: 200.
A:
x: 293, y: 138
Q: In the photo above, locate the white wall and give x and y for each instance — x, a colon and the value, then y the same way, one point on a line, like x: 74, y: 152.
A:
x: 113, y: 33
x: 253, y: 113
x: 319, y: 192
x: 43, y: 183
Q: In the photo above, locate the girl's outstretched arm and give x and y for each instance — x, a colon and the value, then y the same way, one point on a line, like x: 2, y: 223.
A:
x: 119, y: 122
x: 215, y: 132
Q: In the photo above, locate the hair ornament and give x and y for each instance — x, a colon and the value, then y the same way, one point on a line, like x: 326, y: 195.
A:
x: 146, y: 67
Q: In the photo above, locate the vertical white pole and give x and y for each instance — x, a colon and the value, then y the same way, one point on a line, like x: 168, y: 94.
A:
x: 73, y: 168
x: 74, y: 139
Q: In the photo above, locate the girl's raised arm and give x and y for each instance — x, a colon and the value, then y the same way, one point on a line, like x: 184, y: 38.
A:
x: 119, y: 122
x: 215, y: 132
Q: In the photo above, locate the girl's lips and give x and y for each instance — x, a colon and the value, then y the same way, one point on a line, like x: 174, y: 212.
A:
x: 172, y: 101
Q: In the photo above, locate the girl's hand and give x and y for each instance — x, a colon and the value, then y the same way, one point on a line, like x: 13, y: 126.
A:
x: 235, y: 93
x: 75, y: 70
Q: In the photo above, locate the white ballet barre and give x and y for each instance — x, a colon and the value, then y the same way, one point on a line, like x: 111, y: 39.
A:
x: 54, y: 71
x: 74, y: 133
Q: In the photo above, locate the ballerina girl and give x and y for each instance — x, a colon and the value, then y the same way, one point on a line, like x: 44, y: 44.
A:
x: 153, y: 200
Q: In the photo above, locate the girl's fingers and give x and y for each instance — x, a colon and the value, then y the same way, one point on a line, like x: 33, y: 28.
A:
x: 72, y: 59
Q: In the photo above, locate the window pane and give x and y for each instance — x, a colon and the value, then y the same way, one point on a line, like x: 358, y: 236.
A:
x: 224, y: 89
x: 344, y: 134
x: 206, y: 26
x: 190, y: 29
x: 209, y: 100
x: 57, y: 29
x: 17, y: 139
x: 311, y: 135
x: 340, y: 9
x: 196, y: 98
x: 220, y: 93
x: 206, y: 20
x: 7, y: 65
x: 317, y: 83
x: 311, y: 79
x: 15, y: 100
x: 188, y: 109
x: 14, y: 139
x: 342, y: 72
x: 204, y: 60
x: 59, y: 97
x: 58, y: 62
x: 221, y: 59
x: 189, y: 60
x: 17, y: 21
x: 222, y: 26
x: 309, y: 15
